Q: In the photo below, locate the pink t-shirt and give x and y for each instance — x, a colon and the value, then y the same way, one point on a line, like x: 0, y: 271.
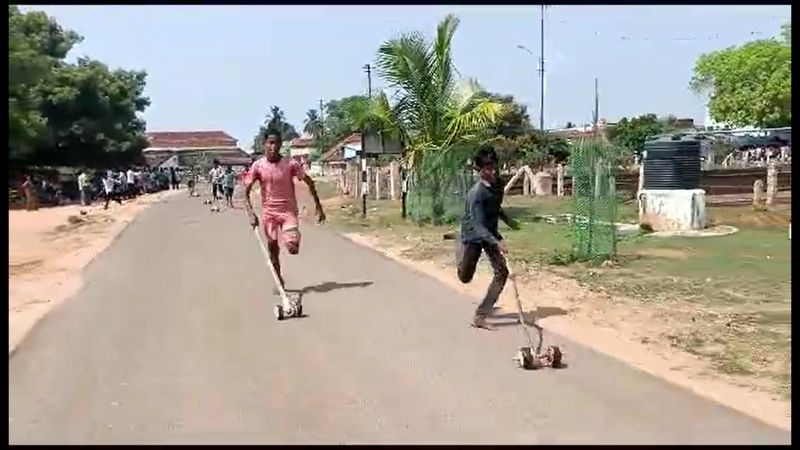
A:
x: 277, y: 184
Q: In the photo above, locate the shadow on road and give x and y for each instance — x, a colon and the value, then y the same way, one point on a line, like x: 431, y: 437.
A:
x: 541, y: 313
x: 330, y: 286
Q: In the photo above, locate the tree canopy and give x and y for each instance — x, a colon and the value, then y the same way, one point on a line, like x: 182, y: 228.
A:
x: 342, y: 117
x: 275, y: 122
x: 433, y: 114
x: 68, y: 114
x: 515, y: 121
x: 630, y: 134
x: 750, y: 85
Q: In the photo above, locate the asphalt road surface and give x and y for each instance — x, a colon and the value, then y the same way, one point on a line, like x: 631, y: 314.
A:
x: 173, y: 340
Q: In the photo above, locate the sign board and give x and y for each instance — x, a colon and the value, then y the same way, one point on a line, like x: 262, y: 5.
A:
x: 377, y: 143
x: 349, y: 152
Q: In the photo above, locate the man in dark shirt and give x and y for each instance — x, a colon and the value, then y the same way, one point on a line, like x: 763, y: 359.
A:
x: 479, y: 232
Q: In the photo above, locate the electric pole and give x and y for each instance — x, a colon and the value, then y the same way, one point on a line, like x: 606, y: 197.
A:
x: 321, y: 129
x: 541, y: 75
x: 368, y: 70
x: 362, y: 155
x: 596, y: 106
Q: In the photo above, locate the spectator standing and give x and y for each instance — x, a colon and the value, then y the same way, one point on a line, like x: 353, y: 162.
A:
x: 83, y: 187
x: 29, y: 188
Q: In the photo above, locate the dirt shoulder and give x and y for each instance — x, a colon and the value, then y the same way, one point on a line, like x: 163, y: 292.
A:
x: 48, y: 250
x: 612, y: 325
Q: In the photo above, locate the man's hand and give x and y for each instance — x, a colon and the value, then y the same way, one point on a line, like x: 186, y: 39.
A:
x: 253, y: 218
x: 320, y: 215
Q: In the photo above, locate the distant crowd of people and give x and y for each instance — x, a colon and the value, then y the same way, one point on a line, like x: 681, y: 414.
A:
x: 760, y: 155
x: 118, y: 185
x: 112, y: 185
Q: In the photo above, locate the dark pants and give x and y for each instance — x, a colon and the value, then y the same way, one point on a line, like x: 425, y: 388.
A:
x: 467, y: 256
x: 216, y: 190
x: 228, y: 193
x: 112, y: 196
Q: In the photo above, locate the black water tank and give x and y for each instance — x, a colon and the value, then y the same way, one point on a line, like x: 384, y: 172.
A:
x: 672, y: 162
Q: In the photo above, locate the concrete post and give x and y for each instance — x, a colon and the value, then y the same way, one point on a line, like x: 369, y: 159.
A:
x: 377, y: 183
x: 560, y: 180
x: 772, y: 183
x: 758, y: 192
x: 393, y: 172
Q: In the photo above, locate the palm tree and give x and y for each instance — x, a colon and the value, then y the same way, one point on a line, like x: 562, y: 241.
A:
x: 433, y: 114
x: 312, y: 125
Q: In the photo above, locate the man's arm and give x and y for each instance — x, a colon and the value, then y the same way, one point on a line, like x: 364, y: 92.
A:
x: 313, y: 189
x: 478, y: 216
x: 508, y: 220
x: 248, y: 205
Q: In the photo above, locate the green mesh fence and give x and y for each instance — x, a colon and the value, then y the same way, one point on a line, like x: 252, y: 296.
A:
x: 593, y: 232
x: 437, y: 187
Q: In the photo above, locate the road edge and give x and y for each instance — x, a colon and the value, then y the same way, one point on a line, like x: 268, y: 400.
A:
x: 709, y: 389
x: 78, y: 281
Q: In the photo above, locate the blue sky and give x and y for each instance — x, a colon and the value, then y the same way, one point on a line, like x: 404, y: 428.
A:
x: 222, y: 67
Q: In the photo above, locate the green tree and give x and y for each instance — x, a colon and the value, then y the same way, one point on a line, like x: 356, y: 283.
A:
x: 312, y: 125
x: 92, y: 115
x: 786, y: 33
x: 749, y: 85
x: 342, y: 117
x: 535, y: 149
x: 68, y: 114
x: 515, y: 121
x: 36, y: 45
x: 433, y: 116
x: 274, y: 122
x: 630, y: 134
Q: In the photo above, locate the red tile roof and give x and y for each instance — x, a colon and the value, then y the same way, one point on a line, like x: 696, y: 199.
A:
x: 333, y: 153
x: 190, y: 139
x: 303, y: 142
x: 234, y: 160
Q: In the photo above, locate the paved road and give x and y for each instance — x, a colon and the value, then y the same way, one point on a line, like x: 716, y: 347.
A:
x: 172, y: 340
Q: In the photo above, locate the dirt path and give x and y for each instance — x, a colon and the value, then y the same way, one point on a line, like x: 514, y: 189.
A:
x: 606, y: 325
x: 49, y: 248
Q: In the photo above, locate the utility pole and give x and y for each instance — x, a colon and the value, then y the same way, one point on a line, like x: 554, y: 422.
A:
x: 362, y: 156
x: 321, y: 129
x: 541, y: 75
x: 596, y: 114
x: 368, y: 70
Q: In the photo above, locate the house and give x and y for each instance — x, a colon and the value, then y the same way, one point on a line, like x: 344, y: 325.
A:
x: 187, y: 148
x: 584, y: 132
x: 347, y: 149
x: 301, y: 149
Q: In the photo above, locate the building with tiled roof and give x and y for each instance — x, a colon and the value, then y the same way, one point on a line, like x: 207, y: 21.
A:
x: 187, y: 147
x: 342, y: 150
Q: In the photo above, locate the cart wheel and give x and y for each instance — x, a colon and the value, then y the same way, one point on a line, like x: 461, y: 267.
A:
x: 299, y: 311
x: 525, y: 358
x: 278, y: 312
x: 554, y: 355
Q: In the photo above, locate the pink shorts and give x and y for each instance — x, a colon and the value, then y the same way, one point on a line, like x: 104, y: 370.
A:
x: 282, y: 227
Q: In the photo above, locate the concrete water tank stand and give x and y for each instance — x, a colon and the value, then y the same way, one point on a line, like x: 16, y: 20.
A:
x: 673, y: 209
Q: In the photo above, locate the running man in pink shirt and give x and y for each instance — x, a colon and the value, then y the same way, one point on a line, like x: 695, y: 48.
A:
x: 276, y: 176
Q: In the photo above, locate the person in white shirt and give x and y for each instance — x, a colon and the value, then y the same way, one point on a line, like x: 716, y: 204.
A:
x: 109, y: 186
x: 130, y: 182
x: 83, y: 187
x: 216, y: 175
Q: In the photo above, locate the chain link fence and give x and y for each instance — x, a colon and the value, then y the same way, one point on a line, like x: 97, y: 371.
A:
x: 594, y: 237
x: 438, y: 186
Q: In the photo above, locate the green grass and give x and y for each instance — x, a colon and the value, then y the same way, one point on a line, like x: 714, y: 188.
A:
x: 726, y: 299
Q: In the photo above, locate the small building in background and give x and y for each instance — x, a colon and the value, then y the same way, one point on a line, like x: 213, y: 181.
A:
x: 301, y: 149
x: 340, y: 153
x: 189, y: 148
